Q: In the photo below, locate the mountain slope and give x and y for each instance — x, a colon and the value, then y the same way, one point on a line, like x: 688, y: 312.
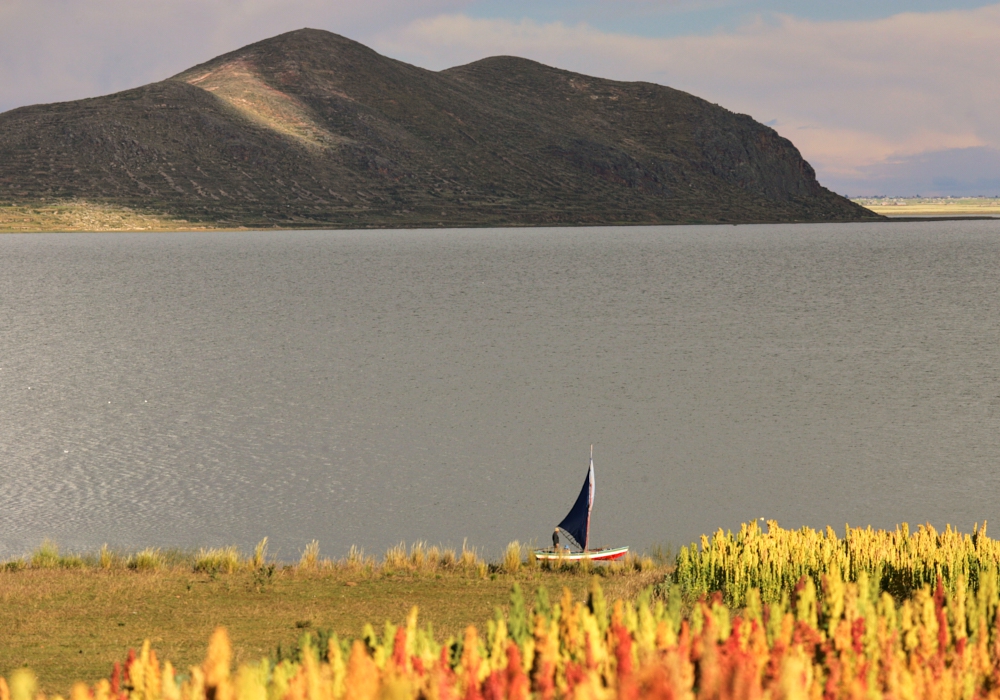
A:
x: 309, y: 128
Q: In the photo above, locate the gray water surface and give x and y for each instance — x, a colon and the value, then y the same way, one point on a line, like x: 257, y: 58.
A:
x: 370, y: 387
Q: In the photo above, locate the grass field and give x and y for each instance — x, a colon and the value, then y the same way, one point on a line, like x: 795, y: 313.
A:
x: 932, y: 206
x: 69, y: 619
x: 777, y: 614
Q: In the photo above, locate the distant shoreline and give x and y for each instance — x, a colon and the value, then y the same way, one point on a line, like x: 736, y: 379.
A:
x: 943, y: 218
x: 88, y: 217
x: 932, y: 208
x: 276, y: 229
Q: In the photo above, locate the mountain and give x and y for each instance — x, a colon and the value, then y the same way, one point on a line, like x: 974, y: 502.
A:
x: 311, y: 129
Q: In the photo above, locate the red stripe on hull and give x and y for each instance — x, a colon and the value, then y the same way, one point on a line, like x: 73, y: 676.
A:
x: 609, y: 554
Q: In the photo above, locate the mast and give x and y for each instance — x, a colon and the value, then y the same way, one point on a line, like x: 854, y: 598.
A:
x: 590, y: 506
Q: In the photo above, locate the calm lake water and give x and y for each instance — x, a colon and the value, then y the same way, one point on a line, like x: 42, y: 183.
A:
x: 370, y: 387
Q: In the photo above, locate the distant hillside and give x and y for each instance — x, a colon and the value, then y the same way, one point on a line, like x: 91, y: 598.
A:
x: 312, y: 129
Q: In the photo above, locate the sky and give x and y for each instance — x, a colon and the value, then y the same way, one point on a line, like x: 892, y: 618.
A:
x: 882, y: 97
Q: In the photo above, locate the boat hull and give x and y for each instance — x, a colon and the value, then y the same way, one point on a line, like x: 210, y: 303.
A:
x: 606, y: 554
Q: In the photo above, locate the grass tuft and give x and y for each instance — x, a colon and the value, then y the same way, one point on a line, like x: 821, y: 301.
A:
x: 396, y: 558
x: 531, y: 561
x: 46, y: 556
x: 418, y: 556
x: 310, y: 557
x: 72, y: 561
x: 259, y: 555
x: 149, y: 559
x: 355, y: 561
x: 106, y: 559
x: 512, y: 560
x: 469, y: 561
x: 433, y: 558
x: 222, y: 560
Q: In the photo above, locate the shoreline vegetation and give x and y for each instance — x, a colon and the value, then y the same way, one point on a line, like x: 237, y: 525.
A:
x: 70, y: 616
x: 757, y: 613
x: 419, y: 557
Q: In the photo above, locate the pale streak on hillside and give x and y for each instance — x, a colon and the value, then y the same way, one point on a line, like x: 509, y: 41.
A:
x: 239, y: 85
x: 80, y: 215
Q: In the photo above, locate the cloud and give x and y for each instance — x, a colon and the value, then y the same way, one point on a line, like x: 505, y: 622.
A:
x: 950, y: 172
x: 849, y: 94
x: 53, y: 50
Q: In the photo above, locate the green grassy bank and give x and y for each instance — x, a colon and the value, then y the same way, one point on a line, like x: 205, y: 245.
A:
x: 70, y: 617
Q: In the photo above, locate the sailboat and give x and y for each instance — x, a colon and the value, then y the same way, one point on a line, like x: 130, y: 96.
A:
x: 575, y: 527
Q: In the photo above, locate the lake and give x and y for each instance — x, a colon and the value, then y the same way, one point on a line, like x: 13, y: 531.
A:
x: 369, y: 387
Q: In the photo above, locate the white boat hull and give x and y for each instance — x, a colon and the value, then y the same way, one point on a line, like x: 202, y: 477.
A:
x: 606, y: 554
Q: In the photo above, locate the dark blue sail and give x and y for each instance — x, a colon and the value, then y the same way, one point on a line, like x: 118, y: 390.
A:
x: 576, y: 524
